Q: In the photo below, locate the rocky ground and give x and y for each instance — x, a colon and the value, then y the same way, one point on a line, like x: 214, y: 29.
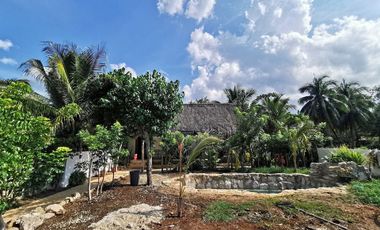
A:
x: 142, y: 207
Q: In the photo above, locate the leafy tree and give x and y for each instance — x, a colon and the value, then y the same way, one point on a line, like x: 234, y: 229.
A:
x: 146, y: 105
x: 22, y: 137
x: 104, y: 144
x: 47, y: 169
x: 239, y: 96
x: 322, y: 105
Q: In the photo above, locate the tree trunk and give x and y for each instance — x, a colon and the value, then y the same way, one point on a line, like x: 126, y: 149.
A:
x: 149, y: 181
x: 2, y: 223
x: 89, y: 178
x: 242, y: 157
x: 104, y: 175
x: 295, y: 160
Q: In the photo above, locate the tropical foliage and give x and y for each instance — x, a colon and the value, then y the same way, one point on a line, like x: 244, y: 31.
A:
x: 23, y: 137
x: 343, y: 153
x: 146, y: 105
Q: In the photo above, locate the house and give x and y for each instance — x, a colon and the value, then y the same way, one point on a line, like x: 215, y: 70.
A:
x: 215, y: 118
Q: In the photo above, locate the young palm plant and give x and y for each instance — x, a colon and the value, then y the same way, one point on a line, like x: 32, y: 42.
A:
x: 195, y: 153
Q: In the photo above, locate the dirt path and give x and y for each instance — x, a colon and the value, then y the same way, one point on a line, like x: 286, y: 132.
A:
x: 28, y: 205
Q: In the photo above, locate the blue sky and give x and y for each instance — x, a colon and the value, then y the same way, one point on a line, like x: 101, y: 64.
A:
x: 208, y: 45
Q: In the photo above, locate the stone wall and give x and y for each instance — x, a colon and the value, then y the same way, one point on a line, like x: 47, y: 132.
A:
x: 321, y: 175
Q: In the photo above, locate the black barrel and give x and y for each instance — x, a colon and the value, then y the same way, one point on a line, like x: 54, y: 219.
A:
x: 134, y: 177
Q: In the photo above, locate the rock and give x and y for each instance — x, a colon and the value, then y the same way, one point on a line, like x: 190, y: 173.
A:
x: 264, y: 186
x: 171, y: 226
x: 39, y: 210
x: 48, y: 215
x: 134, y: 217
x: 30, y: 221
x: 69, y: 199
x: 56, y: 209
x: 63, y: 203
x: 76, y: 196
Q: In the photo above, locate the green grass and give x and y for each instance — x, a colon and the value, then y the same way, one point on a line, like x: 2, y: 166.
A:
x: 280, y: 170
x: 225, y: 211
x: 316, y: 207
x: 367, y: 192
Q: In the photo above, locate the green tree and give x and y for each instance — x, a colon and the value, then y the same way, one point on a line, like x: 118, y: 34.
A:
x: 322, y: 105
x: 239, y: 96
x: 22, y: 137
x: 146, y: 105
x: 250, y: 127
x: 104, y: 144
x: 65, y: 78
x: 359, y: 109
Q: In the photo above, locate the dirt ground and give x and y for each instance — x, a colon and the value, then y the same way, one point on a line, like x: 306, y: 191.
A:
x: 260, y: 215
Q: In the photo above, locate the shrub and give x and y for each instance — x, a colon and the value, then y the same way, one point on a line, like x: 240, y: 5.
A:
x: 345, y: 154
x: 77, y: 178
x: 367, y: 192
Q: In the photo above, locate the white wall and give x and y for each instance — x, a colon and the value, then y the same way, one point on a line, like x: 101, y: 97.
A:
x: 70, y: 167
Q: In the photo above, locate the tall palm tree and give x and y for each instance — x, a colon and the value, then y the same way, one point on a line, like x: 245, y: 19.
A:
x: 359, y: 108
x: 276, y: 107
x: 239, y: 96
x: 321, y: 104
x: 66, y: 75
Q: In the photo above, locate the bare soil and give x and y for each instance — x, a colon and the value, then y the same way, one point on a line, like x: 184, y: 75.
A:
x: 261, y: 215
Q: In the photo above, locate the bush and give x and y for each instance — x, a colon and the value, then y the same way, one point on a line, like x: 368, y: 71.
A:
x: 344, y: 154
x: 367, y: 192
x: 77, y: 178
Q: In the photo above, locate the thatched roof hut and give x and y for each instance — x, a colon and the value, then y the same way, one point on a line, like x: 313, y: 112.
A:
x: 214, y: 118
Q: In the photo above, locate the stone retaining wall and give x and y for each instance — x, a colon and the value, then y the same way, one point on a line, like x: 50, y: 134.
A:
x: 321, y: 175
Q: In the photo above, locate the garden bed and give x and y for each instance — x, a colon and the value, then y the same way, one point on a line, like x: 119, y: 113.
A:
x: 215, y: 211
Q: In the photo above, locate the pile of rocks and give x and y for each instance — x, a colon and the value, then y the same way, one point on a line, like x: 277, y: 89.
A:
x: 37, y: 217
x: 333, y: 174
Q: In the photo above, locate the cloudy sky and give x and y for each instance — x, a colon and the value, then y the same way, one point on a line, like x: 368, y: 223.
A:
x: 269, y: 45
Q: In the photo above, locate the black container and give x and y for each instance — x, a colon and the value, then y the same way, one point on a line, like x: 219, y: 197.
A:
x: 134, y: 176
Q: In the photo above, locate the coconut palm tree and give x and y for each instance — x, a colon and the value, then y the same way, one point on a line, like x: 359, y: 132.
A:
x: 67, y: 72
x: 239, y: 96
x: 276, y: 107
x: 321, y: 104
x: 359, y: 108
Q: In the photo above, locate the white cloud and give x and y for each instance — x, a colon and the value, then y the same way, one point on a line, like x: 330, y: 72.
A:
x: 281, y: 50
x: 8, y: 61
x: 199, y: 9
x: 196, y: 9
x: 5, y: 44
x: 124, y: 65
x: 170, y: 7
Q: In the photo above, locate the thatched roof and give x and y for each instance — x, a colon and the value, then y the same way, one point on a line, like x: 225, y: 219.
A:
x: 214, y: 118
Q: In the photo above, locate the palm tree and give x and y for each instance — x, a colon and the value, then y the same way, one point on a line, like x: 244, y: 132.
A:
x: 239, y: 96
x: 321, y: 104
x: 276, y: 107
x: 359, y: 108
x: 66, y: 76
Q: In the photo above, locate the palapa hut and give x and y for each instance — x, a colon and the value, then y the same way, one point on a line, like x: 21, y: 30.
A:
x: 215, y: 118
